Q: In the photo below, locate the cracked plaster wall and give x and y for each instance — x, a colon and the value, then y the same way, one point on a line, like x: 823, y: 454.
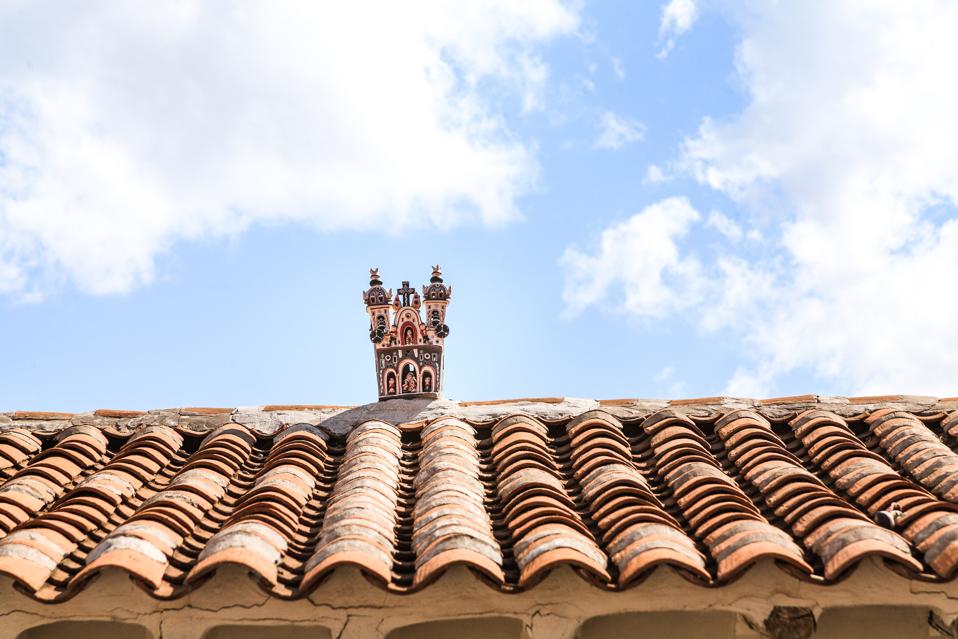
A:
x: 348, y: 606
x: 557, y: 608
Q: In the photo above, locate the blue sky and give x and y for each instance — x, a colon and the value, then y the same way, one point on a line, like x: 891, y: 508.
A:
x: 629, y: 199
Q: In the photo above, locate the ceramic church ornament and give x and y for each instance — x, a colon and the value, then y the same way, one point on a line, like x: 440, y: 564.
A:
x: 408, y: 348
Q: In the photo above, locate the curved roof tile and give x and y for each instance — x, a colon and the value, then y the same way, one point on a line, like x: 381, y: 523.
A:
x: 612, y: 490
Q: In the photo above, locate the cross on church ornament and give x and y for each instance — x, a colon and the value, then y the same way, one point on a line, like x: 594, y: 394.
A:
x: 408, y: 348
x: 406, y: 293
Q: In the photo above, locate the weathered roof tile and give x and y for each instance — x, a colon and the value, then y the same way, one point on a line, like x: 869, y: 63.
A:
x: 706, y: 487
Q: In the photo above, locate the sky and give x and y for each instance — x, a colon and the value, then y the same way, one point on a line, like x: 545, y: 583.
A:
x: 657, y: 200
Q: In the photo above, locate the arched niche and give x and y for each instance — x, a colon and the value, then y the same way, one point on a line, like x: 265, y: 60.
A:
x: 427, y: 382
x: 86, y: 630
x: 660, y: 625
x: 874, y: 622
x: 408, y: 377
x: 473, y: 628
x: 273, y: 631
x: 408, y: 334
x: 390, y: 383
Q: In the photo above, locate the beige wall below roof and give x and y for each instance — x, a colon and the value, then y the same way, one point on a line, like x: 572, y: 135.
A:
x: 561, y: 607
x: 869, y: 622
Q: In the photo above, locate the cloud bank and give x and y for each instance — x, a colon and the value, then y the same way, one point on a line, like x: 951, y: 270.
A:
x: 126, y: 127
x: 847, y: 158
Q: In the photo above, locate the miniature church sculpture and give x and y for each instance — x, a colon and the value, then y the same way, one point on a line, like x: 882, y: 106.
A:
x: 408, y: 349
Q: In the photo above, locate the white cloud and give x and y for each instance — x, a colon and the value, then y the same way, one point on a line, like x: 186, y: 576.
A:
x: 616, y: 132
x: 678, y: 16
x: 655, y: 175
x: 847, y: 157
x: 737, y: 289
x: 857, y: 139
x: 125, y: 128
x: 724, y: 225
x: 637, y: 264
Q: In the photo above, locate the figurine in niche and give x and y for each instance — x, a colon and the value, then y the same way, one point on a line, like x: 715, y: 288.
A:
x: 408, y: 336
x: 409, y: 382
x: 391, y: 385
x: 427, y: 383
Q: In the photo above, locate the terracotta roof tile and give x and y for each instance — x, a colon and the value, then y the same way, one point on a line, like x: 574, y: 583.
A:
x: 616, y: 402
x: 697, y: 400
x: 706, y: 487
x: 203, y: 410
x: 359, y: 527
x: 117, y: 414
x: 450, y: 522
x: 520, y: 400
x: 284, y: 407
x: 791, y: 399
x: 40, y: 415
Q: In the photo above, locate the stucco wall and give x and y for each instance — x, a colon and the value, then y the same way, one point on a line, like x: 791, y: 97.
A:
x: 561, y: 607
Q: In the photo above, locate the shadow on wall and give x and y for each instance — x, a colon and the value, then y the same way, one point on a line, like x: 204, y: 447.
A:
x: 86, y: 629
x: 874, y: 622
x: 269, y: 632
x: 479, y: 628
x: 661, y: 625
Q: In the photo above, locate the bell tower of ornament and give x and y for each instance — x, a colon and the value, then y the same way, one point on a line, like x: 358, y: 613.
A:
x: 408, y: 347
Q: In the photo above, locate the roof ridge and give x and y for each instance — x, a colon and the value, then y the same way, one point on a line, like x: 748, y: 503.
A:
x: 270, y: 419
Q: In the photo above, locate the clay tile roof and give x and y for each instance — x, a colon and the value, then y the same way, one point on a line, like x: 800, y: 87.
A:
x: 403, y: 490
